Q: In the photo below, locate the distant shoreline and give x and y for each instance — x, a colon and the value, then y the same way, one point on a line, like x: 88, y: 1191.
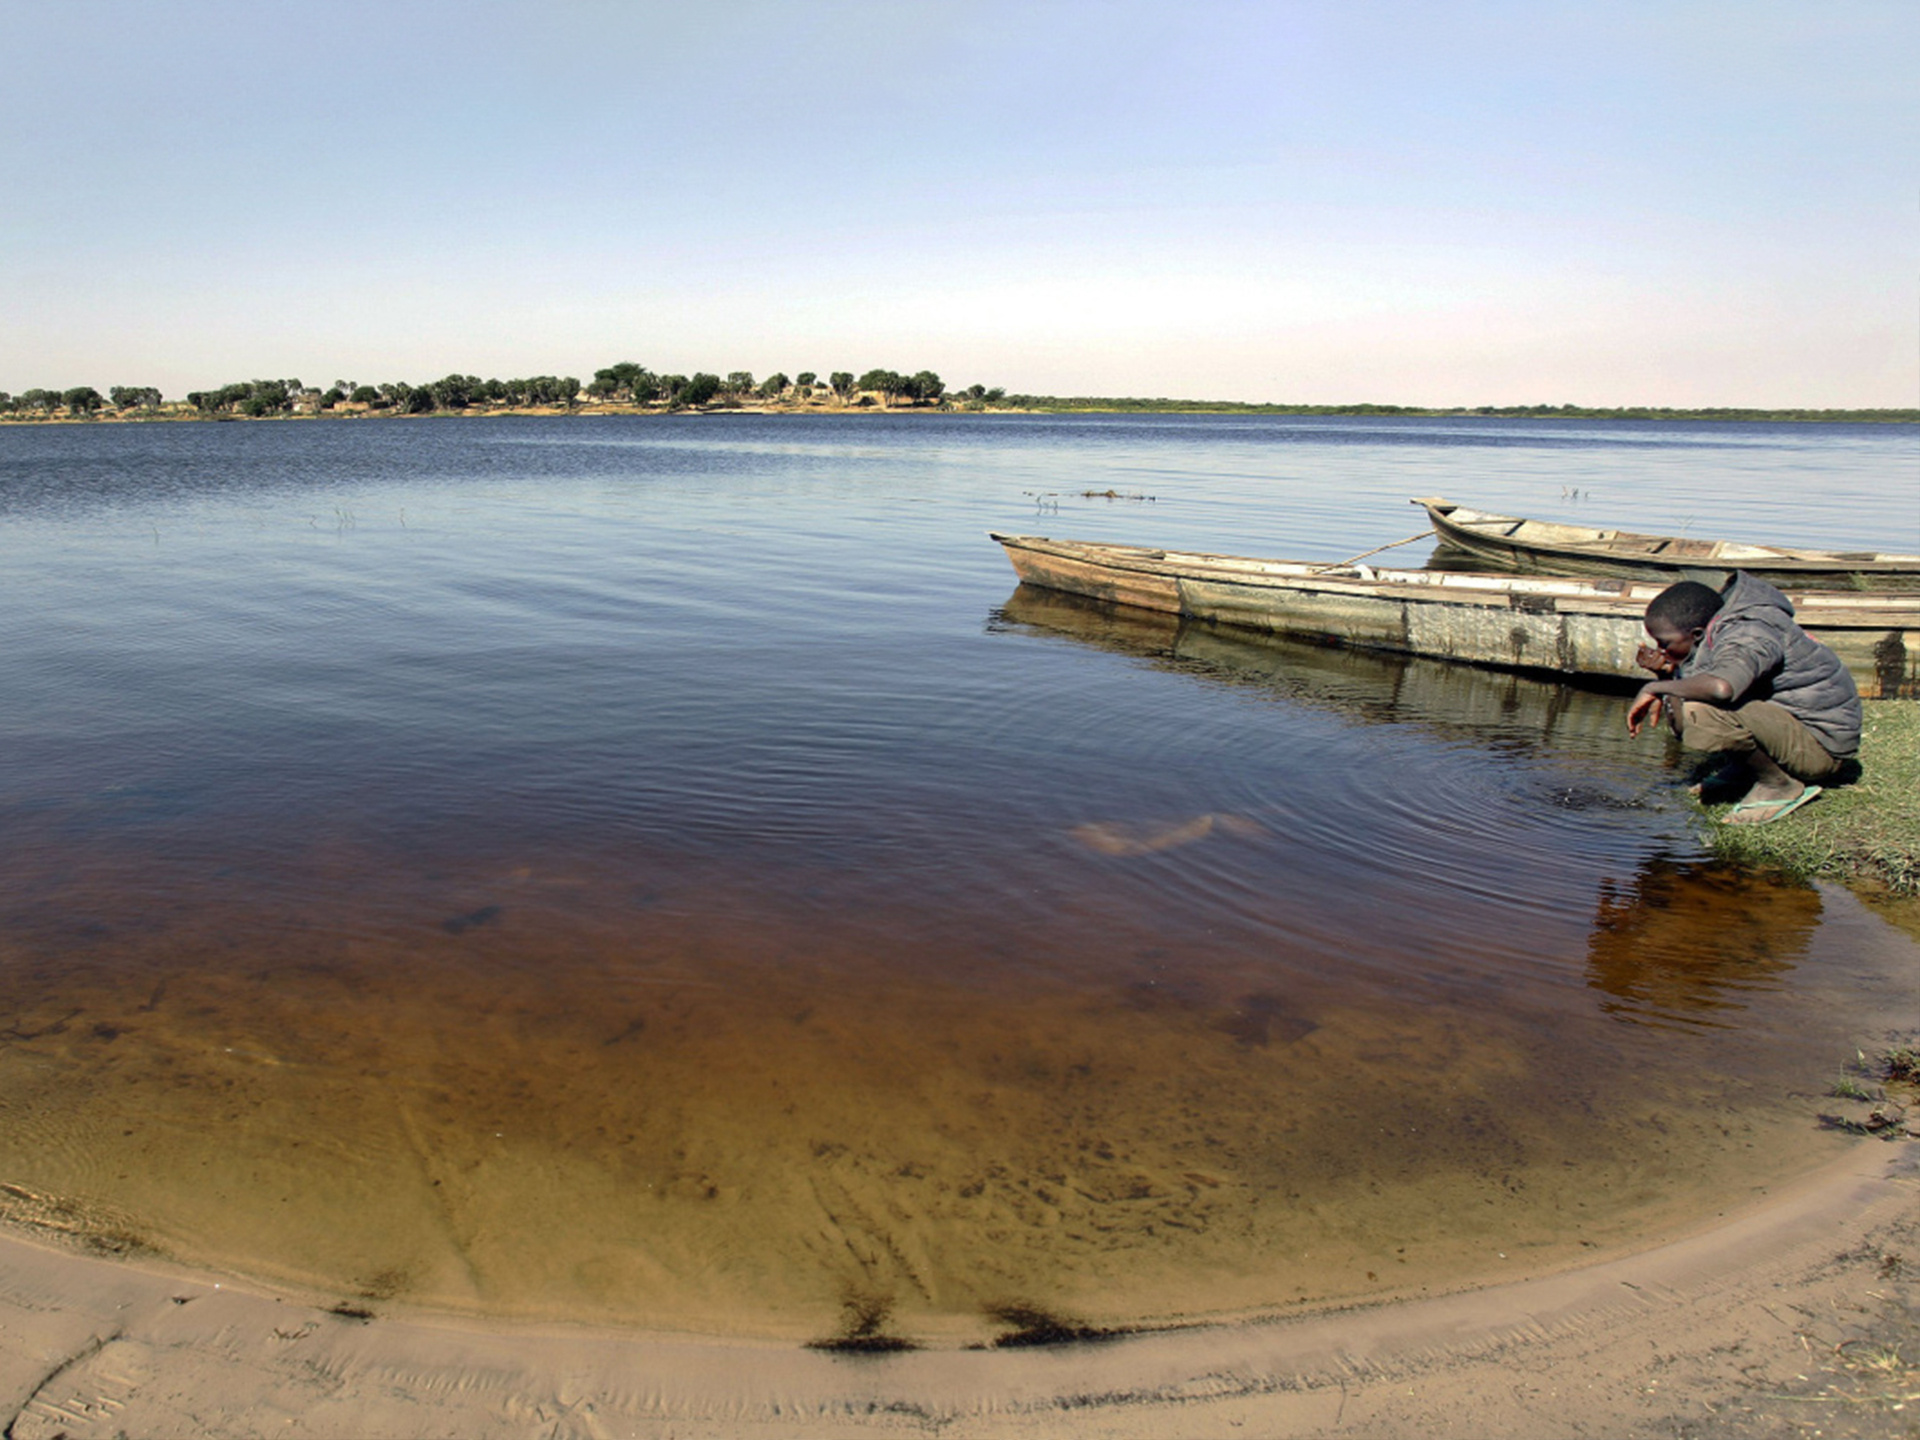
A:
x: 179, y: 411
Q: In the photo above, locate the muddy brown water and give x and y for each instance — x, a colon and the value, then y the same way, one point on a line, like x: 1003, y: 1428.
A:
x: 455, y: 915
x: 638, y: 1093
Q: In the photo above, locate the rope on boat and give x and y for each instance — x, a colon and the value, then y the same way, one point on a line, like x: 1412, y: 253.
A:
x: 1351, y: 559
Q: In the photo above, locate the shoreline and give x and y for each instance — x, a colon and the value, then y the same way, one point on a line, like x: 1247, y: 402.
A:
x: 1720, y: 1316
x: 180, y: 413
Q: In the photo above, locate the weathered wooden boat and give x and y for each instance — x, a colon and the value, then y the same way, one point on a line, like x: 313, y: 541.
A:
x: 1573, y: 628
x: 1549, y: 547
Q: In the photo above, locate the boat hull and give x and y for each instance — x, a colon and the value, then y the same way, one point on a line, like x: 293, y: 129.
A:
x: 1540, y: 547
x: 1589, y: 630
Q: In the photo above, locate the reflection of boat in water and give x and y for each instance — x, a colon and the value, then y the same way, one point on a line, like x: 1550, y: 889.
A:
x: 1549, y: 547
x: 1685, y: 940
x: 1569, y: 628
x: 1367, y: 685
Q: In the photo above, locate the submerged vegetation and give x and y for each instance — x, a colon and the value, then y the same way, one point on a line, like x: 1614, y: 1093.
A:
x: 1883, y: 1090
x: 628, y: 387
x: 1865, y: 831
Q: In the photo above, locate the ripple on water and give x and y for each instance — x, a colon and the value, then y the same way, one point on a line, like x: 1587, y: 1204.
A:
x: 489, y: 899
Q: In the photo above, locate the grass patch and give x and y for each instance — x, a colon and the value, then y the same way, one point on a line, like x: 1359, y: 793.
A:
x: 1867, y: 831
x: 1889, y: 1113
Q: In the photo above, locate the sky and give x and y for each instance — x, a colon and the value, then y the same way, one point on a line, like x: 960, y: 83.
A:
x: 1438, y: 202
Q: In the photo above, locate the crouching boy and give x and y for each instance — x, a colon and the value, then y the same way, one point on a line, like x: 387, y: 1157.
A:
x: 1737, y: 676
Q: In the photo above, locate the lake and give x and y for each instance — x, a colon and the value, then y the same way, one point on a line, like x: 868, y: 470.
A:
x: 658, y: 871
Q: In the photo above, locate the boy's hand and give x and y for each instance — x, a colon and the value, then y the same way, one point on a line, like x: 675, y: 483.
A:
x: 1645, y: 710
x: 1651, y: 657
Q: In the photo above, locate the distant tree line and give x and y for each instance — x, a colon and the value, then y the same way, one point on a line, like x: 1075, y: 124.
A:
x: 81, y: 400
x: 631, y: 384
x: 626, y: 384
x: 261, y: 398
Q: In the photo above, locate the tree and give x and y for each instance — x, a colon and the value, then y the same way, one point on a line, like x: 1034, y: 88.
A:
x: 888, y: 383
x: 456, y: 392
x: 701, y: 389
x: 134, y: 397
x: 925, y: 385
x: 773, y: 386
x: 364, y: 395
x: 738, y: 382
x: 625, y: 381
x: 804, y: 380
x: 841, y: 383
x: 83, y: 400
x: 268, y: 397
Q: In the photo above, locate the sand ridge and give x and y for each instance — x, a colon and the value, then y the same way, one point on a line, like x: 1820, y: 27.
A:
x: 1634, y: 1344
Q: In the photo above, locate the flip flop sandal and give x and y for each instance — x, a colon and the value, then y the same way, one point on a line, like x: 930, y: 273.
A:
x: 1779, y: 808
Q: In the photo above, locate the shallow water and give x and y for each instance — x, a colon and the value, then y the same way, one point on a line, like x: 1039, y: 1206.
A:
x: 663, y: 871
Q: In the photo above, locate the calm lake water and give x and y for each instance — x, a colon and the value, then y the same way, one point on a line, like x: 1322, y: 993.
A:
x: 658, y: 870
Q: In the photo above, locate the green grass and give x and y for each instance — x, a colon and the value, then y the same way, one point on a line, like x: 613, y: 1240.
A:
x: 1867, y: 831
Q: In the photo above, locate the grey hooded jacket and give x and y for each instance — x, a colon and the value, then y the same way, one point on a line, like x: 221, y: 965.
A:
x: 1756, y: 646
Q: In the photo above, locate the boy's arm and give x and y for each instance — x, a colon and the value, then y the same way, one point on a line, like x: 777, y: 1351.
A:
x: 1653, y: 696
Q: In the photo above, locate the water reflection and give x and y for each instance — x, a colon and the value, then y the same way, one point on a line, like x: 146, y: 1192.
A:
x: 1459, y: 701
x: 1686, y: 941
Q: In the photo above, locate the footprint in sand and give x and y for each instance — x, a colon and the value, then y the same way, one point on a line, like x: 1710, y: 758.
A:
x: 1116, y: 837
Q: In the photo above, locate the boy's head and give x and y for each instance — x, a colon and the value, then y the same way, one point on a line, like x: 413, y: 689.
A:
x: 1678, y: 615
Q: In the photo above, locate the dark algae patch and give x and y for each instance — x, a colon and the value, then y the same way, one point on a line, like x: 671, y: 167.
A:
x: 1033, y: 1326
x: 88, y: 1226
x: 865, y: 1332
x: 460, y: 924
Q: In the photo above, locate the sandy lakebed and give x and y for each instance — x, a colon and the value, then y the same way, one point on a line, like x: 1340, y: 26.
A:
x: 1789, y: 1311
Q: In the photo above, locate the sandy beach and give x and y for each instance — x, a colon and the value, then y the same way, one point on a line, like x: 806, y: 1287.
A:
x: 1789, y: 1310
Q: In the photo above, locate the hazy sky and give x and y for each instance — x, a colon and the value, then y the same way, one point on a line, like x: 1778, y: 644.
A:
x: 1661, y: 203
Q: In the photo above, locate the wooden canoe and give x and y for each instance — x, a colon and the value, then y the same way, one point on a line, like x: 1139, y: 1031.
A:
x: 1549, y: 547
x: 1572, y: 628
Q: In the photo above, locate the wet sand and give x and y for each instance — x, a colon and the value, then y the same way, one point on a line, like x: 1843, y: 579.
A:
x: 1642, y: 1343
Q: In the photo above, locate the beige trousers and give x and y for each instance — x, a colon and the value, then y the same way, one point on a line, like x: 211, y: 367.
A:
x: 1759, y: 724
